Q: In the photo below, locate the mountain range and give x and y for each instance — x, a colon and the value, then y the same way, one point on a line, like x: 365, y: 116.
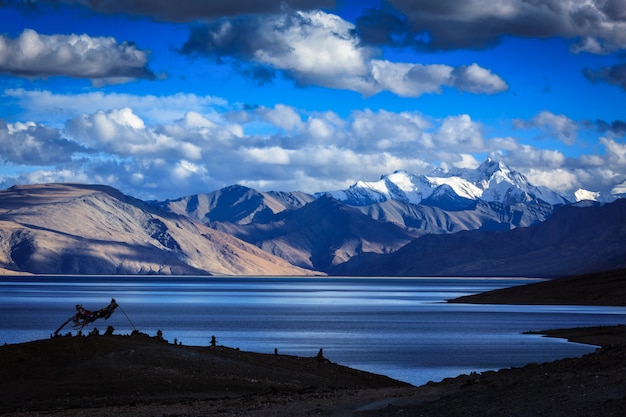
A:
x: 493, y: 181
x: 576, y: 239
x: 485, y: 221
x: 94, y: 229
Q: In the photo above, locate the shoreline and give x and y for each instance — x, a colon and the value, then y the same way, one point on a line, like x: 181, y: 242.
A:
x: 265, y: 385
x: 144, y: 376
x: 602, y: 336
x: 607, y: 288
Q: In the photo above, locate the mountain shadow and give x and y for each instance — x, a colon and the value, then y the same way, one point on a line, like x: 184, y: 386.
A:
x: 321, y: 234
x: 574, y: 240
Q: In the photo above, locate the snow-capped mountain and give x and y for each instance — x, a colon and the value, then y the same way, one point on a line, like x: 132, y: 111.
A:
x: 493, y: 181
x: 617, y: 192
x: 582, y: 195
x: 401, y: 185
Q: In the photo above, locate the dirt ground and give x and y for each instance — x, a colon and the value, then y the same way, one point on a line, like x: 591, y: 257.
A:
x: 144, y: 376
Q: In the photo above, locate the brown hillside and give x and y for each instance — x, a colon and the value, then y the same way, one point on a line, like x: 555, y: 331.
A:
x: 92, y: 229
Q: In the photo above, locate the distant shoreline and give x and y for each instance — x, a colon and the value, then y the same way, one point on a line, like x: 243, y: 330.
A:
x: 596, y: 289
x: 596, y: 336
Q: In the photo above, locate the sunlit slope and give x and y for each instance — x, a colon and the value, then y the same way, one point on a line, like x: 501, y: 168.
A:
x: 92, y: 229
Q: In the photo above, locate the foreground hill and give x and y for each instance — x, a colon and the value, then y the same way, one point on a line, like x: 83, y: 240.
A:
x: 574, y: 240
x: 142, y: 376
x: 95, y: 371
x: 93, y: 229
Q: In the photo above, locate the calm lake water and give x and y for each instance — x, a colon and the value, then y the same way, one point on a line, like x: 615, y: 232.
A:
x: 397, y: 327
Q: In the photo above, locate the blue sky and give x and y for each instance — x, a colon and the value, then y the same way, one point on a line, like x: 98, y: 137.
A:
x: 163, y: 99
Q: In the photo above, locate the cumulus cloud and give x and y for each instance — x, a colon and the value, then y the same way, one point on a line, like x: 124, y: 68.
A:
x: 123, y: 133
x: 527, y: 157
x: 616, y: 152
x: 612, y: 75
x: 475, y: 79
x: 318, y: 48
x: 397, y: 133
x: 100, y: 59
x: 283, y: 148
x: 559, y: 179
x: 413, y: 80
x: 312, y: 47
x: 593, y: 26
x: 283, y: 117
x: 548, y: 167
x: 553, y: 125
x: 189, y: 10
x: 462, y: 134
x: 34, y: 144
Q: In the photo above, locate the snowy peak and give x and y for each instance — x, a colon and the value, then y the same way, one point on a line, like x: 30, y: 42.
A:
x: 461, y: 186
x: 490, y: 167
x: 401, y: 186
x: 492, y: 181
x: 407, y: 187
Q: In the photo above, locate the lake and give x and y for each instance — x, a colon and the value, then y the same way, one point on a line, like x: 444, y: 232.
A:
x: 397, y: 327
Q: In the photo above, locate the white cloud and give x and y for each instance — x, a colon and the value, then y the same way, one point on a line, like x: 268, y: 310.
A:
x: 560, y: 180
x: 50, y: 176
x: 616, y: 152
x: 461, y: 134
x: 194, y: 120
x: 410, y: 80
x: 558, y: 126
x: 598, y: 173
x: 467, y: 161
x: 294, y: 150
x: 413, y: 80
x: 396, y: 133
x: 320, y: 129
x: 318, y: 48
x: 271, y: 155
x: 123, y: 133
x: 34, y: 144
x: 526, y: 156
x: 478, y: 80
x: 156, y: 109
x: 101, y: 59
x: 283, y: 117
x: 184, y: 169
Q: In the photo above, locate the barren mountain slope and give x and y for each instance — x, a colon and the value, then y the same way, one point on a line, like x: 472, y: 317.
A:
x: 321, y: 234
x: 235, y: 204
x: 575, y: 240
x: 91, y: 229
